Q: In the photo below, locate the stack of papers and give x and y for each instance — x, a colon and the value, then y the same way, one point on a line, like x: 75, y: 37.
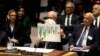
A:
x: 38, y: 50
x: 78, y: 49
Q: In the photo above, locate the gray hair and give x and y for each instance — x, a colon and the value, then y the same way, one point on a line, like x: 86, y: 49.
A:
x: 53, y: 12
x: 72, y: 4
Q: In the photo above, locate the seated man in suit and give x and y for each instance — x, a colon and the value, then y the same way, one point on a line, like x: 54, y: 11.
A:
x: 69, y: 19
x: 84, y: 34
x: 96, y: 13
x: 52, y: 20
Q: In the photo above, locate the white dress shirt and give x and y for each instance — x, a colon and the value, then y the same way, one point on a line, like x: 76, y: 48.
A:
x: 11, y: 27
x: 98, y: 21
x: 66, y: 20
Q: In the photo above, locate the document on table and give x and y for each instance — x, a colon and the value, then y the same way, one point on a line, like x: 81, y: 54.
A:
x: 78, y: 49
x: 43, y: 50
x: 38, y: 50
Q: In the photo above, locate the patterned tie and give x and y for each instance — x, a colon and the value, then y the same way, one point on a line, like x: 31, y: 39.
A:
x: 81, y: 38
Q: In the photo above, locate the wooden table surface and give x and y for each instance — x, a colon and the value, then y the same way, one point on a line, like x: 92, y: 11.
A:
x: 54, y: 53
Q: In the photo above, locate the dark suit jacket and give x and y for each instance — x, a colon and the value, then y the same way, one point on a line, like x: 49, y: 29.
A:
x: 69, y: 29
x: 97, y: 46
x: 74, y: 20
x: 77, y: 32
x: 18, y: 33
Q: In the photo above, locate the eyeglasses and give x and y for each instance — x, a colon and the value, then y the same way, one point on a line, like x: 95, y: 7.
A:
x: 68, y: 7
x: 51, y: 17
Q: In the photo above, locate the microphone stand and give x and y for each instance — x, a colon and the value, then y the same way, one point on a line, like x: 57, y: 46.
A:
x: 35, y: 53
x: 46, y: 45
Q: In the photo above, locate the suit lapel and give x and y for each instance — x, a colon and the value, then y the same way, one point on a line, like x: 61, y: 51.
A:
x: 64, y: 19
x: 15, y: 28
x: 80, y: 30
x: 74, y: 18
x: 91, y: 30
x: 8, y: 28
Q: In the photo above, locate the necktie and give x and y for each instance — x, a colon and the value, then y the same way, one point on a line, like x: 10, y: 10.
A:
x: 68, y: 20
x: 81, y: 38
x: 96, y: 22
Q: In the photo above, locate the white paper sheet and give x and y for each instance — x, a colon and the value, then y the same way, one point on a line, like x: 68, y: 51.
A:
x: 78, y: 49
x: 38, y: 50
x: 43, y: 50
x: 49, y: 33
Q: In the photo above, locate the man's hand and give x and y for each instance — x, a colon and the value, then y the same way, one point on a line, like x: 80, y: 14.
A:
x: 86, y: 47
x: 14, y: 41
x: 38, y: 41
x: 71, y: 46
x: 61, y: 32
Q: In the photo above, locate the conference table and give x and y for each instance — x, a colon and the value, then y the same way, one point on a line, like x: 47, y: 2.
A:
x: 53, y: 53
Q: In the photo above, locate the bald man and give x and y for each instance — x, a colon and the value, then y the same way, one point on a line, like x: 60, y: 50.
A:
x: 52, y: 20
x: 52, y: 15
x: 84, y: 34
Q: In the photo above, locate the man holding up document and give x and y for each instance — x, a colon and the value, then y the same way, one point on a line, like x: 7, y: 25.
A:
x: 84, y: 34
x: 51, y: 42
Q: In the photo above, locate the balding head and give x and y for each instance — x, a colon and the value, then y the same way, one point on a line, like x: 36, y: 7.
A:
x: 90, y: 15
x: 52, y: 15
x: 88, y: 19
x: 96, y: 10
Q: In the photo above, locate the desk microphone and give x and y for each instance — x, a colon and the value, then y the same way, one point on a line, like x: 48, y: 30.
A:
x: 36, y: 46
